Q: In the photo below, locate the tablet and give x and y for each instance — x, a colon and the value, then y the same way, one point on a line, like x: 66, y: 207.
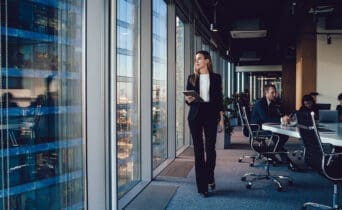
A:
x: 193, y: 94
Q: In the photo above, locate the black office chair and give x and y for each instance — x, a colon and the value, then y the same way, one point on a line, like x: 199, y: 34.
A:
x: 324, y: 106
x: 325, y: 163
x: 261, y: 142
x: 246, y: 134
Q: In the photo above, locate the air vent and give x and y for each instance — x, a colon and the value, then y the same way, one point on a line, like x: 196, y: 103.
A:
x: 321, y: 9
x: 248, y: 34
x: 249, y: 56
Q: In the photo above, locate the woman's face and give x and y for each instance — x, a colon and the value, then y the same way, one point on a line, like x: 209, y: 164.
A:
x: 308, y: 104
x: 200, y: 61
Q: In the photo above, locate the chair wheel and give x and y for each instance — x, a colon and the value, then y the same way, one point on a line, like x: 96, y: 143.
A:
x: 290, y: 183
x: 249, y: 185
x: 243, y: 179
x: 280, y: 189
x: 292, y: 167
x: 251, y: 164
x: 240, y: 160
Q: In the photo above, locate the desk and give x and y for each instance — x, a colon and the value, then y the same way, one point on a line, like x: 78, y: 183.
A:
x: 329, y: 138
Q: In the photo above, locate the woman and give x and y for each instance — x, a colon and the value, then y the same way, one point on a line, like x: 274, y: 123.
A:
x: 339, y: 107
x: 309, y: 105
x: 204, y: 115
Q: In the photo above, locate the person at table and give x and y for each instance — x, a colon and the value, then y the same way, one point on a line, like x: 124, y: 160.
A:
x: 309, y: 105
x: 339, y: 107
x: 267, y: 110
x: 8, y: 100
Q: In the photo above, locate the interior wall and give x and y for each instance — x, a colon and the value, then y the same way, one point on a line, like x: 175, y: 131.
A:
x: 329, y: 68
x: 306, y: 60
x: 289, y: 90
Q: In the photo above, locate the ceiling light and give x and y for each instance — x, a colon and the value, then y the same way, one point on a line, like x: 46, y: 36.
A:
x: 248, y: 34
x: 249, y: 59
x: 321, y: 9
x: 213, y: 26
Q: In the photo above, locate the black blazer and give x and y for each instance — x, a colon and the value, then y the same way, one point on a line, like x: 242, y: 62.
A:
x: 263, y: 113
x: 215, y: 96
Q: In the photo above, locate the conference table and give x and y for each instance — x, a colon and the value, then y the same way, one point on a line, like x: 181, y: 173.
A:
x: 333, y: 137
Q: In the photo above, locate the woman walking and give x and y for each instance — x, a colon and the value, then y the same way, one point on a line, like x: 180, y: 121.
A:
x: 204, y: 116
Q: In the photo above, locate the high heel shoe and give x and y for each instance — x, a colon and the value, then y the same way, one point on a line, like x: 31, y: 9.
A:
x: 212, y: 186
x: 204, y: 194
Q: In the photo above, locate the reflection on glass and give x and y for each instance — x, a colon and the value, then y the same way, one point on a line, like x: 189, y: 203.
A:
x: 159, y: 83
x: 41, y: 155
x: 179, y: 83
x: 127, y: 96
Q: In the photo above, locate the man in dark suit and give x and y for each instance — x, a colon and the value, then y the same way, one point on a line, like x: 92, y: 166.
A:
x: 267, y: 110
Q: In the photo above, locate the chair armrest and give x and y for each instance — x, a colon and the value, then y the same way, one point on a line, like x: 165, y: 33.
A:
x: 264, y: 133
x: 255, y: 127
x: 333, y: 154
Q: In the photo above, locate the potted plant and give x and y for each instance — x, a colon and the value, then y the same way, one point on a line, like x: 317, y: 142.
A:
x: 230, y: 119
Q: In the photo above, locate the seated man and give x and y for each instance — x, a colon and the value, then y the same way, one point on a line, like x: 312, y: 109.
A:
x: 267, y: 110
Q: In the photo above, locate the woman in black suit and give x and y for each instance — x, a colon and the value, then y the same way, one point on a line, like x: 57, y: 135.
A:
x: 204, y: 116
x: 339, y: 107
x: 309, y: 105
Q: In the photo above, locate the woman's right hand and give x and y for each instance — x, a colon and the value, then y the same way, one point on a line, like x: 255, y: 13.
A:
x: 189, y: 99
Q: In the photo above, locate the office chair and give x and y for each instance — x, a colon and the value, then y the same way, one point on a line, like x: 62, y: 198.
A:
x: 328, y: 116
x: 246, y: 134
x: 323, y: 106
x: 261, y: 142
x: 318, y: 159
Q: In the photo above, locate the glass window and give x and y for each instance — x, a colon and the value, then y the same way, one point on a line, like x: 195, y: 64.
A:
x: 179, y: 83
x: 127, y: 95
x: 205, y: 47
x: 159, y: 82
x: 41, y: 150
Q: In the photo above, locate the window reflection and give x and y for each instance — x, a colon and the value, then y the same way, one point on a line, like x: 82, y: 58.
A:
x: 41, y: 156
x: 179, y: 83
x: 159, y: 82
x: 127, y: 101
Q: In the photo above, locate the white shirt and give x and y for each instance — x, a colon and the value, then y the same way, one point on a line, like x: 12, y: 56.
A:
x: 204, y: 87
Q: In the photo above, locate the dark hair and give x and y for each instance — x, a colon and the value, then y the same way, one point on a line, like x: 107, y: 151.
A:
x: 313, y: 94
x: 206, y: 55
x: 339, y: 96
x: 268, y: 86
x: 307, y: 98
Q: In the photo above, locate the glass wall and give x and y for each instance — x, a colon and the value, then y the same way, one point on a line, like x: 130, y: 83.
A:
x: 41, y: 118
x: 179, y: 83
x: 127, y: 95
x: 159, y: 82
x: 205, y: 47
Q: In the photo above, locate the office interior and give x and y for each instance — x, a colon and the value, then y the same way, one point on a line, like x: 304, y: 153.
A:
x: 92, y: 110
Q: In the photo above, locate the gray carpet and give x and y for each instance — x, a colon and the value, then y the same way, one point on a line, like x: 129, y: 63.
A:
x: 231, y: 192
x: 154, y: 197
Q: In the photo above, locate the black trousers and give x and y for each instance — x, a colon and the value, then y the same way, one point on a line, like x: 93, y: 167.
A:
x: 282, y: 141
x: 204, y: 167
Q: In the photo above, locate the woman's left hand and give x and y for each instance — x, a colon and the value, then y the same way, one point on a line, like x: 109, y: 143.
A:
x: 221, y: 125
